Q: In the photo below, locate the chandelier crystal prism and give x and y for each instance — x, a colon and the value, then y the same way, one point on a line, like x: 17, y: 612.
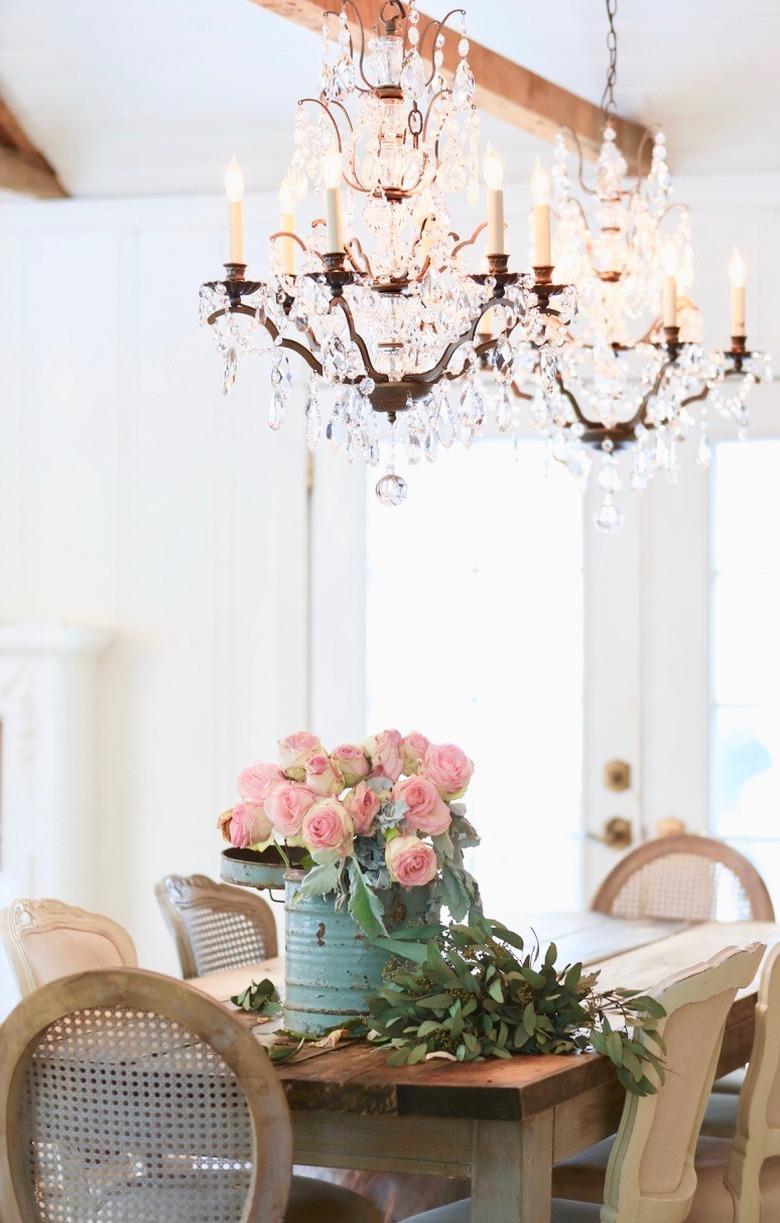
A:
x: 379, y: 300
x: 626, y: 376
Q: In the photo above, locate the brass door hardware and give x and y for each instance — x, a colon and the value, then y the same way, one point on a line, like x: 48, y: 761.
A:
x: 617, y: 775
x: 617, y: 834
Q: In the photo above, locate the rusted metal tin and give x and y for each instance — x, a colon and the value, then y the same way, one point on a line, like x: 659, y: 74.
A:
x: 330, y: 967
x: 256, y: 870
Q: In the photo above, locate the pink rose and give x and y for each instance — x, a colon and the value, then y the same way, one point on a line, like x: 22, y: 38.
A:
x: 294, y: 752
x: 428, y: 813
x: 256, y: 782
x: 323, y: 775
x: 328, y: 825
x: 286, y: 807
x: 413, y: 748
x: 384, y: 752
x: 448, y: 768
x: 249, y: 825
x: 352, y: 761
x: 410, y: 861
x: 363, y: 805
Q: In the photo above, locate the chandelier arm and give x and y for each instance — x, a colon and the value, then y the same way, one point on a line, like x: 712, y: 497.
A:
x: 355, y: 252
x: 439, y: 26
x: 439, y: 369
x: 571, y: 132
x: 355, y: 182
x: 357, y: 339
x: 648, y: 134
x: 284, y: 233
x: 467, y: 241
x: 443, y: 93
x: 581, y: 417
x: 328, y: 112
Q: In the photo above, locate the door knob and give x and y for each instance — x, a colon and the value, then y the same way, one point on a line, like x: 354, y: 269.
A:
x: 617, y: 834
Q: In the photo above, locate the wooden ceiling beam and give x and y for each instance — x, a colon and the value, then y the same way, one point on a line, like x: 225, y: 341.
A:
x: 23, y: 168
x: 505, y: 89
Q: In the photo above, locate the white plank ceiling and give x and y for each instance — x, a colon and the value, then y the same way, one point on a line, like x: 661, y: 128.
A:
x: 154, y: 96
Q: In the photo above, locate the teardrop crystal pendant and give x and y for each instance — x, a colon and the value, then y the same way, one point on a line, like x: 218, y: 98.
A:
x: 276, y: 409
x: 609, y: 518
x: 230, y: 370
x: 391, y: 489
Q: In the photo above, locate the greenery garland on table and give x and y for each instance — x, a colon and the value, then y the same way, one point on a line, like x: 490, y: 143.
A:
x: 466, y: 992
x: 471, y: 991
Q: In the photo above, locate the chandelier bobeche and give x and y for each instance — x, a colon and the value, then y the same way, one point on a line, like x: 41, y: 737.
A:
x: 379, y: 300
x: 625, y: 377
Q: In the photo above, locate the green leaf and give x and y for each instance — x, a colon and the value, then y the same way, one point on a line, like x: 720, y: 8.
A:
x: 364, y: 905
x: 572, y: 978
x: 529, y: 1019
x: 614, y: 1047
x: 319, y: 881
x: 435, y: 1002
x: 495, y: 990
x: 551, y: 955
x: 407, y: 951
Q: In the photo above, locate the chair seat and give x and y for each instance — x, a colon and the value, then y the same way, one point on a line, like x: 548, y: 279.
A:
x: 720, y: 1119
x: 731, y: 1084
x: 315, y: 1201
x: 460, y: 1212
x: 310, y: 1201
x: 581, y: 1178
x: 231, y: 981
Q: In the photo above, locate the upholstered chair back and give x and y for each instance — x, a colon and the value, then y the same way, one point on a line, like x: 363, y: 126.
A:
x: 46, y: 939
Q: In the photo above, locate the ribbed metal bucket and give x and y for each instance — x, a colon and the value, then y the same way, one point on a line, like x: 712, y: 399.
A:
x: 331, y: 969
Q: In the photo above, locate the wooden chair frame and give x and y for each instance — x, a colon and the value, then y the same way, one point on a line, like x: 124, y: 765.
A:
x: 686, y: 843
x: 755, y: 1140
x: 624, y: 1197
x: 176, y: 1001
x: 24, y: 917
x: 176, y: 893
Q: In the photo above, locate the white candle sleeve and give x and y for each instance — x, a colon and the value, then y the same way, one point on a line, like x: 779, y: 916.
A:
x: 738, y: 310
x: 335, y: 220
x: 287, y: 226
x: 495, y: 222
x: 236, y: 218
x: 542, y: 251
x: 670, y: 301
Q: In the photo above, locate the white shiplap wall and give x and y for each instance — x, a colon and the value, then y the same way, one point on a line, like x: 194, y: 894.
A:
x: 134, y: 497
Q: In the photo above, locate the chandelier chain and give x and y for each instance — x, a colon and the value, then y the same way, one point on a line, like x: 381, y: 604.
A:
x: 608, y: 96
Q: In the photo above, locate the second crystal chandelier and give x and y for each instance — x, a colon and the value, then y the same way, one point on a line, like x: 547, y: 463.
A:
x: 631, y: 365
x: 378, y: 299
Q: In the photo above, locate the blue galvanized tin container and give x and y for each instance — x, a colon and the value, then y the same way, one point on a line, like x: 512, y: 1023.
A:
x: 251, y: 869
x: 331, y: 969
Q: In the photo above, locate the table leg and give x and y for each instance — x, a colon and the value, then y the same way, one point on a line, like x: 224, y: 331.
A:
x: 512, y: 1170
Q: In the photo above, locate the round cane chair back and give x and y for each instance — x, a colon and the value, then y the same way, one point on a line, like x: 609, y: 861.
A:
x: 125, y: 1095
x: 686, y: 878
x: 215, y: 925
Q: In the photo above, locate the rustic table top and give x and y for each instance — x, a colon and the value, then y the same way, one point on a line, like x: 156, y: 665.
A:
x: 354, y: 1078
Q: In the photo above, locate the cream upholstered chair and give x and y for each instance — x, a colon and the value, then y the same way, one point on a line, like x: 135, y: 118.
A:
x: 129, y: 1096
x: 216, y: 926
x: 645, y: 1175
x: 46, y: 939
x: 688, y: 878
x: 739, y: 1179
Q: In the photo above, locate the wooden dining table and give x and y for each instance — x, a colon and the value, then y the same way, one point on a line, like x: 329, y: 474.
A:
x: 502, y: 1123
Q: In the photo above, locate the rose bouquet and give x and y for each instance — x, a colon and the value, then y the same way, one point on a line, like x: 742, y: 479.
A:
x: 370, y: 817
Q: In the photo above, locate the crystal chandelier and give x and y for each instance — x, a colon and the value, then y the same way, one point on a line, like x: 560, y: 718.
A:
x: 378, y: 299
x: 622, y: 375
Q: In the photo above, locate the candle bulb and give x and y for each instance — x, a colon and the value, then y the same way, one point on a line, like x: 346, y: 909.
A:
x: 540, y: 193
x: 669, y: 263
x: 737, y: 274
x: 287, y: 225
x: 494, y: 180
x: 234, y: 190
x: 334, y: 214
